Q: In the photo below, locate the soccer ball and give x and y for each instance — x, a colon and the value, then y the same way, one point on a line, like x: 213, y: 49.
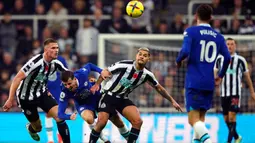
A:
x: 134, y: 8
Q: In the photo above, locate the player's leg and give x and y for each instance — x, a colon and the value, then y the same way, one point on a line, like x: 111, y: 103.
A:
x: 61, y: 124
x: 201, y: 133
x: 131, y: 112
x: 197, y: 103
x: 34, y: 126
x: 89, y: 116
x: 49, y: 128
x: 196, y: 138
x: 100, y: 124
x: 117, y: 121
x: 50, y: 106
x: 234, y: 109
x: 225, y: 104
x: 105, y: 108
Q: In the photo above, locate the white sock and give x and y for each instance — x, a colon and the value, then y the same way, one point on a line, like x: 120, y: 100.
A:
x: 202, y: 132
x: 49, y: 128
x: 124, y: 131
x: 103, y: 136
x: 195, y: 135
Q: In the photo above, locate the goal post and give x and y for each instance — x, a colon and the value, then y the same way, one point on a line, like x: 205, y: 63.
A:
x: 164, y: 49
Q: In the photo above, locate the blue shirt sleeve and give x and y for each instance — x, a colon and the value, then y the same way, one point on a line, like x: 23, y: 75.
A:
x: 225, y: 53
x: 186, y: 47
x: 63, y: 61
x: 63, y: 102
x: 92, y: 67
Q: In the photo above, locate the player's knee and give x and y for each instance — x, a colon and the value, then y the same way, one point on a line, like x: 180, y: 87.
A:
x: 137, y: 122
x: 89, y: 119
x: 102, y: 122
x: 232, y: 119
x: 88, y: 116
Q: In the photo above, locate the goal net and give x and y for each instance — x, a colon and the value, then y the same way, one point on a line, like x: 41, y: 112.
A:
x: 164, y: 50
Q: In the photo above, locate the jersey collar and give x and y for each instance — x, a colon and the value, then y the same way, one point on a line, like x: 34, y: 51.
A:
x: 234, y: 55
x: 205, y: 24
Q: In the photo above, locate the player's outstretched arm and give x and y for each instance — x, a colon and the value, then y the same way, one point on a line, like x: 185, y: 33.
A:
x: 186, y: 48
x: 62, y: 108
x: 162, y: 91
x: 249, y: 82
x: 14, y: 86
x: 92, y: 67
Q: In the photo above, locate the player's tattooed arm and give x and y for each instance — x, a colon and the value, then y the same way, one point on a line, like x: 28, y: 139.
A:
x: 162, y: 91
x: 249, y: 82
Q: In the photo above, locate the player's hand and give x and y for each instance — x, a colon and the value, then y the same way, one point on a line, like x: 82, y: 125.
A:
x: 73, y: 116
x: 7, y: 106
x: 217, y: 81
x: 94, y: 88
x: 105, y: 74
x: 177, y: 106
x: 178, y: 64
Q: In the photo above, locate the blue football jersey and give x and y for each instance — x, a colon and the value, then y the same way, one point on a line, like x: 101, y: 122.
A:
x: 54, y: 81
x: 82, y: 95
x: 201, y: 45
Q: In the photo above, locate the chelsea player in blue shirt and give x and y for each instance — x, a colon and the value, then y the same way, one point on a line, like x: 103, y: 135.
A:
x: 201, y: 45
x: 76, y: 86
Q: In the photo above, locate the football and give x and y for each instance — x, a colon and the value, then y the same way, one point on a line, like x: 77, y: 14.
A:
x: 134, y: 9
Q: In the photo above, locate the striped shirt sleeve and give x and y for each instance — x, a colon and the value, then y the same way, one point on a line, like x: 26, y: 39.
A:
x: 151, y: 79
x: 217, y: 64
x: 60, y: 66
x: 31, y: 64
x: 244, y: 65
x: 115, y: 68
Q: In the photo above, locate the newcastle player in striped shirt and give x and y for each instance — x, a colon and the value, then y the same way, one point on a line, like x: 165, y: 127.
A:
x: 30, y: 87
x: 124, y: 77
x: 231, y: 87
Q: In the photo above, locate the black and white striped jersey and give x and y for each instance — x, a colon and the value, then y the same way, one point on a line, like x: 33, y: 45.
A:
x: 232, y: 82
x: 125, y: 78
x: 37, y: 71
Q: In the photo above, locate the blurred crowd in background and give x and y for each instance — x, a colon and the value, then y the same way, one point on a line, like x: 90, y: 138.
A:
x: 78, y: 45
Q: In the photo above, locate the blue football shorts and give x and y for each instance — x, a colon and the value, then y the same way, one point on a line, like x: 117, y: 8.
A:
x: 197, y: 99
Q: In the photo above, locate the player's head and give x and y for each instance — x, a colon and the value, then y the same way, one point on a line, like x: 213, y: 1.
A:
x: 51, y: 48
x: 68, y: 80
x: 204, y: 13
x: 143, y: 56
x: 231, y: 44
